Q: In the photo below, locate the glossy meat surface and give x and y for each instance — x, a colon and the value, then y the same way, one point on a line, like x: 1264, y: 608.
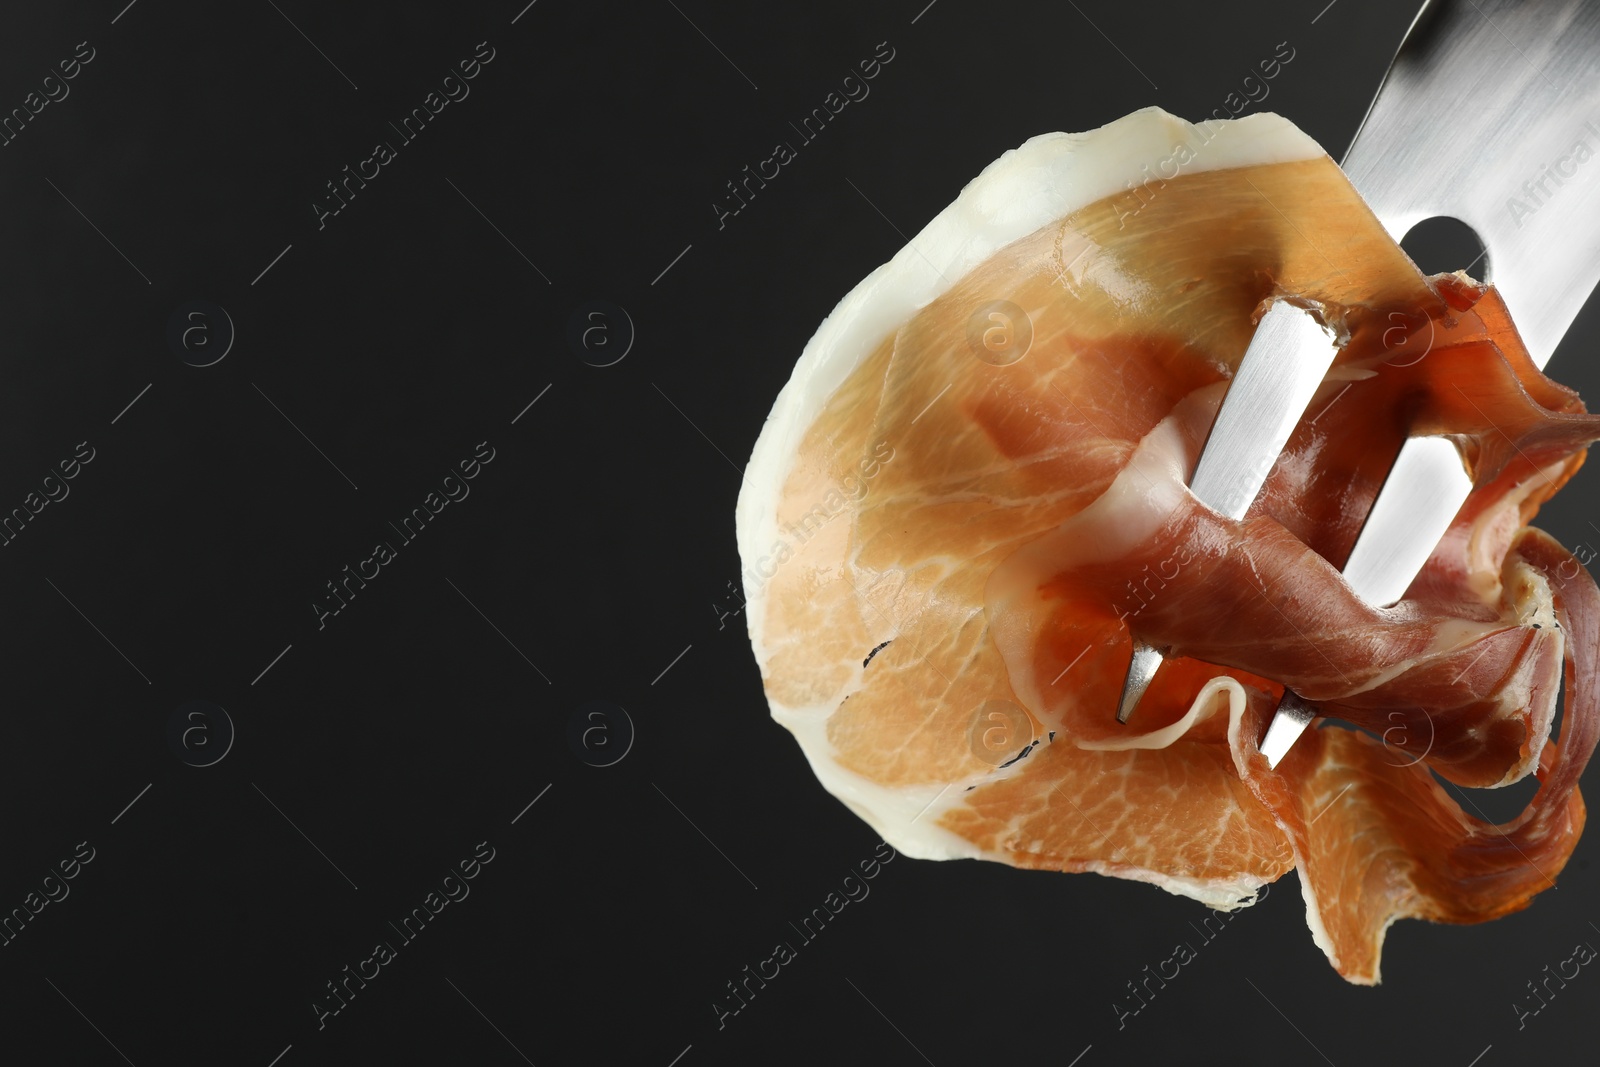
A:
x: 1000, y: 529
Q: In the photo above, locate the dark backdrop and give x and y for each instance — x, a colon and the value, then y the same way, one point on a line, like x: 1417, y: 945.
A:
x: 569, y: 609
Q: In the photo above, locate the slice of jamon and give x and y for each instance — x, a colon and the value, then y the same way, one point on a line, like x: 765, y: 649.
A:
x: 970, y: 498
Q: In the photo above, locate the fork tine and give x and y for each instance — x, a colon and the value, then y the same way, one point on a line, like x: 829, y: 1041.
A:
x: 1276, y: 379
x: 1141, y: 672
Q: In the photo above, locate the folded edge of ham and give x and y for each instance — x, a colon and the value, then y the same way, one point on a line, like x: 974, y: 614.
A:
x: 1502, y: 638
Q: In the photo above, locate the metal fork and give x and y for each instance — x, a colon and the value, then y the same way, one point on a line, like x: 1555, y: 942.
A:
x: 1480, y: 118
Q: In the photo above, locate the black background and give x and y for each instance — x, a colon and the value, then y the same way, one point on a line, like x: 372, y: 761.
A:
x: 590, y: 562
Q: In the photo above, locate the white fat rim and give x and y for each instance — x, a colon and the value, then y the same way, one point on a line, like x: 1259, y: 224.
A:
x: 1026, y: 189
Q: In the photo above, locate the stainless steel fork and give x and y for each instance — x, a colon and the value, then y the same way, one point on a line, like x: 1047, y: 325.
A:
x: 1489, y: 114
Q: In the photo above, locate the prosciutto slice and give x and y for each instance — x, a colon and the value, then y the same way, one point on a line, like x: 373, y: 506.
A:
x: 953, y: 536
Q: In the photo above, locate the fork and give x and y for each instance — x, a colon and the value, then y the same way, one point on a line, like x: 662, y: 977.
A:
x: 1481, y: 118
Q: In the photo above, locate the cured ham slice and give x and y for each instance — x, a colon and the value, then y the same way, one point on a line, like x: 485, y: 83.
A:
x: 970, y: 499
